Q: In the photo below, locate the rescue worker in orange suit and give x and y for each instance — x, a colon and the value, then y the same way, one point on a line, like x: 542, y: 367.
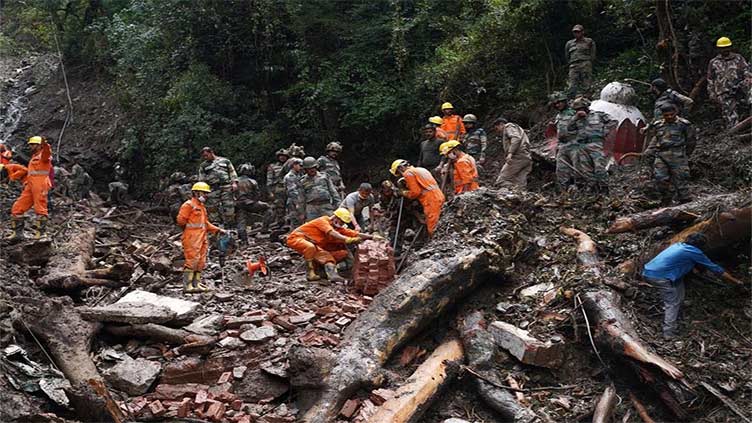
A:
x: 420, y: 185
x: 36, y: 185
x: 5, y: 154
x: 452, y: 124
x: 13, y: 171
x: 323, y: 242
x: 436, y: 122
x: 465, y: 173
x: 194, y: 220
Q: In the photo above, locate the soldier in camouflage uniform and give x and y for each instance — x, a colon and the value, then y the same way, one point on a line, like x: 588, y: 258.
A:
x: 320, y: 195
x: 566, y: 148
x: 475, y: 140
x: 670, y: 149
x: 590, y: 129
x: 580, y: 55
x: 726, y: 80
x: 275, y: 185
x: 294, y: 152
x: 295, y: 205
x: 248, y: 202
x: 80, y: 183
x: 178, y: 192
x: 328, y: 164
x: 666, y: 95
x: 220, y: 174
x: 118, y: 189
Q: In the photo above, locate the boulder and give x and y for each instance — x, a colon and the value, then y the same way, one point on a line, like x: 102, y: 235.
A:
x: 256, y: 385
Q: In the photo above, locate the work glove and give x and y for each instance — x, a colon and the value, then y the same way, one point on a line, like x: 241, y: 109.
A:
x: 404, y: 192
x: 377, y: 237
x: 352, y: 240
x: 401, y: 182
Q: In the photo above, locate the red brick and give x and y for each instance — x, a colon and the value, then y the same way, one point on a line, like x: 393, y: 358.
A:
x: 245, y: 418
x: 184, y: 408
x: 156, y: 408
x: 350, y: 408
x: 216, y: 412
x: 237, y: 405
x: 226, y: 377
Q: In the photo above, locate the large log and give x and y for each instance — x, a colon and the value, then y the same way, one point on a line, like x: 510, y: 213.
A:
x: 404, y: 308
x: 413, y: 398
x: 723, y: 230
x: 67, y: 268
x: 68, y: 338
x: 683, y: 213
x: 614, y: 332
x: 480, y: 350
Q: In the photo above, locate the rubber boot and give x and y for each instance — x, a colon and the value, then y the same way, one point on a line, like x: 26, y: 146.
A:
x: 331, y: 273
x: 188, y: 281
x: 243, y: 237
x: 312, y: 276
x: 41, y: 227
x: 17, y: 228
x: 197, y: 285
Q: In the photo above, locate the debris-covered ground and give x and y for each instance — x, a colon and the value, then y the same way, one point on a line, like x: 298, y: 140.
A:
x: 223, y: 355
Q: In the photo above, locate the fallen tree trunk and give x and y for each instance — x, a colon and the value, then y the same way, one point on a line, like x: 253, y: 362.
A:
x: 606, y: 405
x: 614, y: 332
x: 151, y: 331
x: 587, y: 252
x: 67, y: 266
x: 683, y: 213
x: 399, y: 312
x: 480, y: 350
x: 722, y: 231
x: 413, y: 398
x: 68, y: 338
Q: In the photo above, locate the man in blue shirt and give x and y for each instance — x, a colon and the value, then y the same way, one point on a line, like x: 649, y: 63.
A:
x: 666, y: 272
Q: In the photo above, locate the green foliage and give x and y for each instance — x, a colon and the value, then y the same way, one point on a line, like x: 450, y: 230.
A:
x: 248, y: 77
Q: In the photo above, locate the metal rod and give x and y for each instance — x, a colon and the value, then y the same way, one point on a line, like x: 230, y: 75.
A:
x: 399, y: 220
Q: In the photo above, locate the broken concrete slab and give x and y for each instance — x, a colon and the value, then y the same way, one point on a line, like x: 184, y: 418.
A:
x: 259, y: 334
x: 134, y: 377
x: 131, y: 313
x: 524, y: 347
x: 208, y: 325
x: 177, y: 391
x: 185, y: 311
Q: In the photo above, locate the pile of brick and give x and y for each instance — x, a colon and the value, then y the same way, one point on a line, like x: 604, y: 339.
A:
x: 374, y: 267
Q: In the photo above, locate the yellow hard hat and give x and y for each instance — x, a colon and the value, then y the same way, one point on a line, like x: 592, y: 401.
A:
x: 201, y: 186
x: 35, y: 140
x: 343, y: 214
x: 723, y: 42
x: 2, y: 166
x: 447, y: 105
x: 448, y: 146
x: 436, y: 120
x: 395, y: 164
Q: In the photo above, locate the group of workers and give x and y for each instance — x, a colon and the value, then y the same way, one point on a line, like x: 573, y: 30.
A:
x: 307, y: 195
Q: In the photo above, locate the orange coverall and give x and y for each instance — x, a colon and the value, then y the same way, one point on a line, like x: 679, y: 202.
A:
x: 422, y: 185
x: 453, y: 126
x: 5, y: 154
x: 465, y: 174
x: 36, y: 184
x: 16, y: 172
x: 442, y: 134
x: 313, y: 241
x: 193, y: 218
